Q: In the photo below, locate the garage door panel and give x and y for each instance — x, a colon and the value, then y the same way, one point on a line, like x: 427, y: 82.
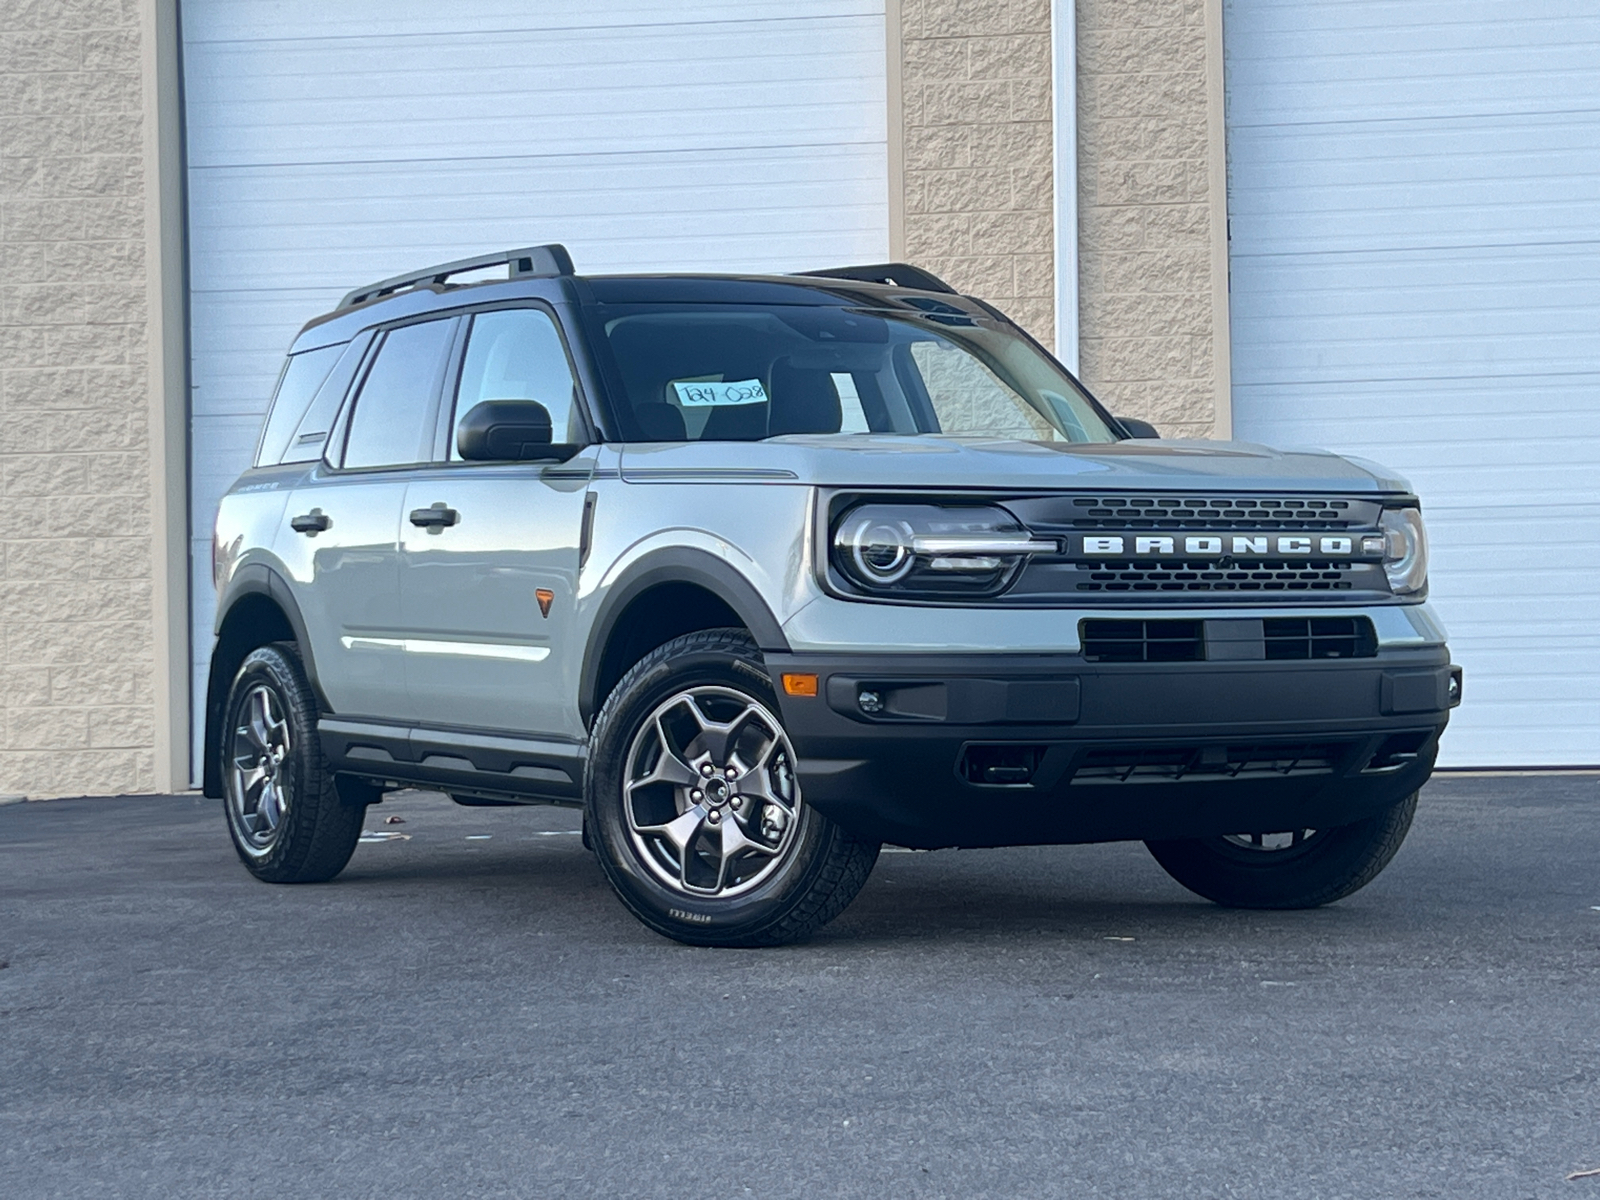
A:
x: 286, y: 22
x: 1470, y: 409
x: 786, y: 208
x: 656, y: 79
x: 1297, y: 63
x: 1414, y: 201
x: 224, y: 442
x: 1415, y: 315
x: 333, y: 144
x: 1366, y: 190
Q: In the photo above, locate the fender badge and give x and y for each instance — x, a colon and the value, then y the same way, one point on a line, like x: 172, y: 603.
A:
x: 546, y: 598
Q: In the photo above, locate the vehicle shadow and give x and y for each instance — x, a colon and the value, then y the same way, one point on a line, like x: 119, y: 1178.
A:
x: 1107, y: 893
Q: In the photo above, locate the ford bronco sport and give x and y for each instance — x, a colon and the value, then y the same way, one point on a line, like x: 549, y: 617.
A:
x: 763, y: 572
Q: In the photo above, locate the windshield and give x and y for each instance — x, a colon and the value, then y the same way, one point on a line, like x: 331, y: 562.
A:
x: 746, y: 372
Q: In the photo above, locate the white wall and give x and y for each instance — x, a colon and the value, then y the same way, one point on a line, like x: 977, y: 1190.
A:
x: 1414, y: 191
x: 331, y: 144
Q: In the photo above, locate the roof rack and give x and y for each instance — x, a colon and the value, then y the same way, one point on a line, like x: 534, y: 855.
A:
x: 900, y: 274
x: 532, y: 261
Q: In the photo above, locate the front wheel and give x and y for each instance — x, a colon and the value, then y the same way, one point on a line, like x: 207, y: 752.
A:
x: 291, y: 822
x: 1301, y: 868
x: 694, y: 808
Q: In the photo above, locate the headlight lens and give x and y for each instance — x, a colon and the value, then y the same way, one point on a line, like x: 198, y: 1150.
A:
x: 932, y: 550
x: 1405, y: 552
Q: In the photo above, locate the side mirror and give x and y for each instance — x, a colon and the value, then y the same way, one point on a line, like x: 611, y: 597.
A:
x: 1136, y: 428
x: 509, y: 431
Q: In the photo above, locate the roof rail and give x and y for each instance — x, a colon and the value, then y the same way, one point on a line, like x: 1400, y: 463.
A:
x: 531, y: 261
x: 900, y: 274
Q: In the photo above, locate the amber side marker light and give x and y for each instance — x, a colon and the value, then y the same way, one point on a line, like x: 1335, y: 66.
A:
x: 799, y: 685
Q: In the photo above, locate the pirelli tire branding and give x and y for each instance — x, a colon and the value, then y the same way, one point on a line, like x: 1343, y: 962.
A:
x: 1350, y: 547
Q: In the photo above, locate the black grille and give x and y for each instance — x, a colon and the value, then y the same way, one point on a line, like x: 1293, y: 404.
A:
x: 1166, y: 764
x: 1209, y: 512
x: 1236, y: 576
x: 1283, y: 639
x: 1320, y: 637
x: 1143, y: 641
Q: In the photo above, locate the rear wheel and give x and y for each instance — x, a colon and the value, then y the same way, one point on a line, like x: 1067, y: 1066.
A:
x: 694, y: 809
x: 290, y: 821
x: 1300, y: 868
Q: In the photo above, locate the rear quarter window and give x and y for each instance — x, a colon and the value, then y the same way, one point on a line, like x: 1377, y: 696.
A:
x: 302, y: 375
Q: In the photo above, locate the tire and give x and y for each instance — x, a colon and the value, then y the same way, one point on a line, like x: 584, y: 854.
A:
x: 693, y: 808
x: 289, y: 820
x: 1316, y: 867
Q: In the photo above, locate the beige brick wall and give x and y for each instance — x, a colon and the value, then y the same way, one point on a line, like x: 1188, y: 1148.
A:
x: 979, y: 203
x: 975, y: 82
x: 77, y: 703
x: 1148, y: 324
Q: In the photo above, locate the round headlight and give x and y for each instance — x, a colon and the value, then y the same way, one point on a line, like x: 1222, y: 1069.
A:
x: 1405, y: 553
x: 879, y: 550
x: 914, y: 549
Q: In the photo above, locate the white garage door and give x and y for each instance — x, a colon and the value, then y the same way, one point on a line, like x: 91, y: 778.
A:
x: 1414, y: 194
x: 330, y: 144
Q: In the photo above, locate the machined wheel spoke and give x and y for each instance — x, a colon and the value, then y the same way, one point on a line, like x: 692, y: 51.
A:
x: 260, y: 721
x: 270, y: 806
x: 734, y: 845
x: 250, y: 777
x: 735, y: 842
x: 758, y: 784
x: 669, y: 768
x: 248, y: 802
x: 716, y: 737
x: 681, y: 830
x: 251, y: 736
x: 721, y: 760
x: 1271, y: 843
x: 751, y: 772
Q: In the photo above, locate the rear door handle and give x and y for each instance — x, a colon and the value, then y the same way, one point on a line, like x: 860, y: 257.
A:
x: 437, y: 516
x: 312, y: 523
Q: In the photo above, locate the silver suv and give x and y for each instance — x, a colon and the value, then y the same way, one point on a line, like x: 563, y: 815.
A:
x: 763, y: 572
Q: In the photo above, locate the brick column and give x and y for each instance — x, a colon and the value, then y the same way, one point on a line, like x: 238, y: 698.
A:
x: 1148, y: 309
x: 76, y: 673
x: 977, y: 138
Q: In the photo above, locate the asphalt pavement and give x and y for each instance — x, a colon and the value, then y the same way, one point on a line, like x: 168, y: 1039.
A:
x: 468, y: 1012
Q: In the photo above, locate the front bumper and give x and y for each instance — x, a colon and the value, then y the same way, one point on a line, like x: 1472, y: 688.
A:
x: 1007, y: 749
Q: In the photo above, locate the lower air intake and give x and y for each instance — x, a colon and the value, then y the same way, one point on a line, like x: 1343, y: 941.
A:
x: 1158, y: 764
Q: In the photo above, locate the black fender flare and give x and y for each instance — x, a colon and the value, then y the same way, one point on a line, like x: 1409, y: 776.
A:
x: 252, y: 579
x: 674, y: 564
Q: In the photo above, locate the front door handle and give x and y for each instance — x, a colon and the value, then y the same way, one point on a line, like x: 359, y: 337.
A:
x: 438, y: 516
x: 312, y: 523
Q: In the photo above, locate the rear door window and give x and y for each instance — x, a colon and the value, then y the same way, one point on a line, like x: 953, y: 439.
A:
x: 311, y: 435
x: 394, y: 417
x: 302, y: 375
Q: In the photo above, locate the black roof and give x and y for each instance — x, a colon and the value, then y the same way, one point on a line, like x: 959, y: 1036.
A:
x: 546, y: 272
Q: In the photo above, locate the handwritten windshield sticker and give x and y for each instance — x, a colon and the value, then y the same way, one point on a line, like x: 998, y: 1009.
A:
x: 720, y: 395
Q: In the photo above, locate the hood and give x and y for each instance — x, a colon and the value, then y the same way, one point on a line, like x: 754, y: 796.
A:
x: 868, y: 460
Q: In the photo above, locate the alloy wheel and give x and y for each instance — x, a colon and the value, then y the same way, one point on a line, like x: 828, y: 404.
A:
x: 259, y: 761
x: 1270, y: 843
x: 712, y: 804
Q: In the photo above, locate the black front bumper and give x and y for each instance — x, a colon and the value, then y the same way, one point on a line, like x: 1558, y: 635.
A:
x: 997, y: 750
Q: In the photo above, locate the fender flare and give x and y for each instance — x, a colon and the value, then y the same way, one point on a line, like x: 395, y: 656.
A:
x: 252, y: 579
x: 675, y: 564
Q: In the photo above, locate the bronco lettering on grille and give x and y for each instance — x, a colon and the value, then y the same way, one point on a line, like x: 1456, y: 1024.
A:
x: 1157, y: 545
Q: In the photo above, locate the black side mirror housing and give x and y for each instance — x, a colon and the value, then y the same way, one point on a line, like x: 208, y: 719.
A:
x: 510, y: 431
x: 1136, y: 428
